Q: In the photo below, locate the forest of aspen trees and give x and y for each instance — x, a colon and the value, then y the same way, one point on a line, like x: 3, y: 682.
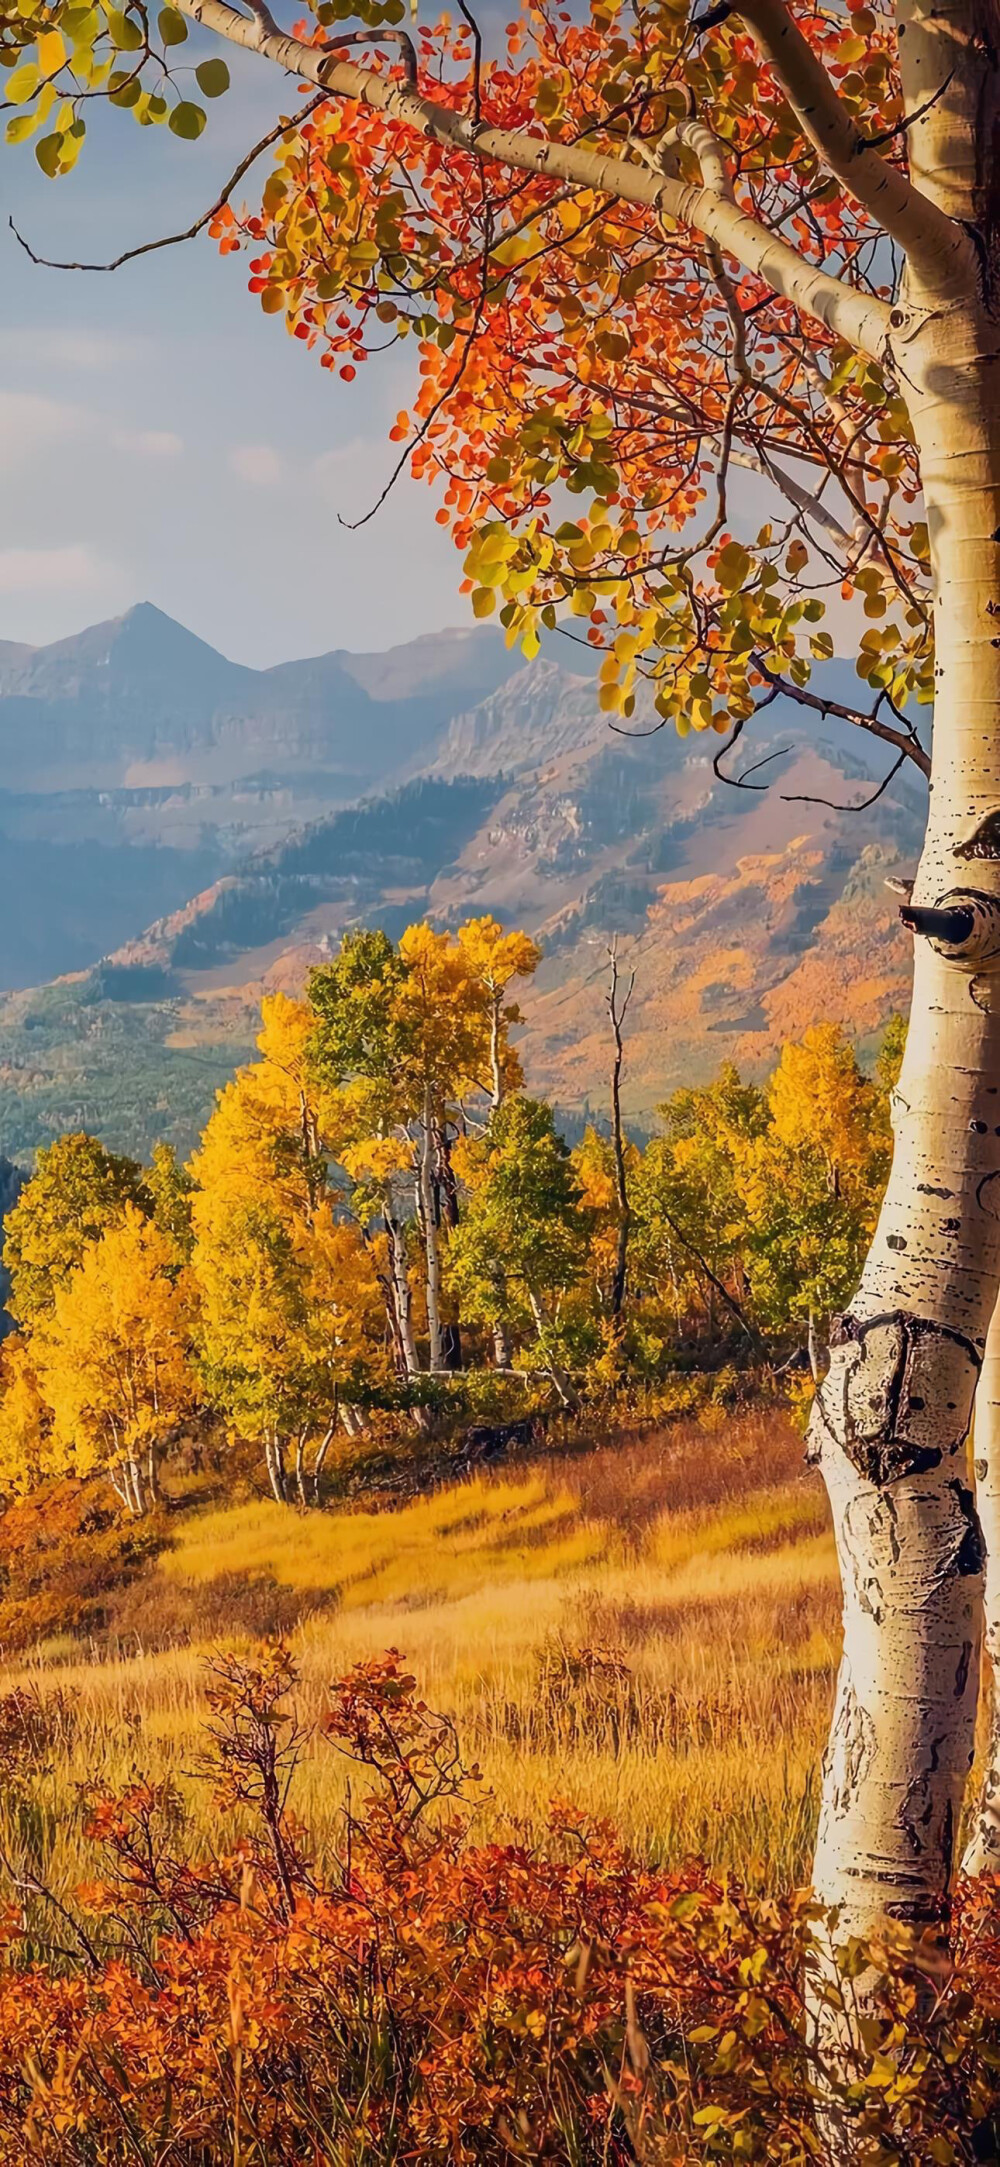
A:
x: 380, y: 1226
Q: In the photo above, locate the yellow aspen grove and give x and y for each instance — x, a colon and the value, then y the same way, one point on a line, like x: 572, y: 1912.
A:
x: 111, y: 1359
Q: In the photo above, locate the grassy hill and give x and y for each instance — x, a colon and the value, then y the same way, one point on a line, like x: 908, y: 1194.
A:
x: 647, y: 1629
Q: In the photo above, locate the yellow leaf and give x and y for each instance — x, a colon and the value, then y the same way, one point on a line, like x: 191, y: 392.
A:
x: 51, y: 51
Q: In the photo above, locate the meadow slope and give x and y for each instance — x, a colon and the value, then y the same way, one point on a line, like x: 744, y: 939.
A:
x: 648, y: 1630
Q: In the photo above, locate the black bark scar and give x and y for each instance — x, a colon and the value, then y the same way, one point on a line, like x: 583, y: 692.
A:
x: 985, y: 843
x: 886, y: 1446
x: 970, y: 1557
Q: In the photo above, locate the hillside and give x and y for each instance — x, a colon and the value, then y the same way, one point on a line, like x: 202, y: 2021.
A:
x: 747, y: 913
x: 648, y: 1629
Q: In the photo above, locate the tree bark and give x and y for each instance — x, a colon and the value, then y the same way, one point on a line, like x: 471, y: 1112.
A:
x: 617, y: 1008
x: 121, y: 1485
x: 275, y: 1461
x: 496, y: 1062
x: 400, y: 1283
x: 892, y: 1417
x: 447, y: 1213
x: 982, y: 1855
x: 565, y: 1388
x: 431, y: 1234
x: 320, y: 1461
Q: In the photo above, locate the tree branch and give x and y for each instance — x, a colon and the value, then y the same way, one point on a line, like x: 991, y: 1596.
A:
x: 190, y: 233
x: 861, y: 319
x: 940, y: 250
x: 804, y: 797
x: 906, y: 744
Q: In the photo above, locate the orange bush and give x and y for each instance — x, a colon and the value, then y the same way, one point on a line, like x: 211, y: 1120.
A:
x: 434, y: 1999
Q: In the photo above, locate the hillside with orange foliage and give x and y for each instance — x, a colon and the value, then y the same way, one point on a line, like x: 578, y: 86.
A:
x: 748, y: 912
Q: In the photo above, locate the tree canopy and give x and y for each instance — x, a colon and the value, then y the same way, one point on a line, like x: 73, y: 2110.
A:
x: 638, y: 255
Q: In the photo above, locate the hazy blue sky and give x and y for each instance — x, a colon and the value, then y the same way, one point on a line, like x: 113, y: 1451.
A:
x: 162, y: 440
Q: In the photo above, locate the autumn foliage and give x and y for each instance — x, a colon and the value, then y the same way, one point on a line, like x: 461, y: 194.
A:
x: 416, y: 1994
x: 380, y: 1229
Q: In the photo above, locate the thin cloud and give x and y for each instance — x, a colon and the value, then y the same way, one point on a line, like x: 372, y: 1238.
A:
x: 257, y: 464
x: 73, y: 348
x: 30, y: 423
x: 148, y: 443
x: 35, y: 571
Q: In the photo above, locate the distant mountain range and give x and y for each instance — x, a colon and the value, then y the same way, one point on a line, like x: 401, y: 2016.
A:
x: 154, y: 762
x: 185, y: 832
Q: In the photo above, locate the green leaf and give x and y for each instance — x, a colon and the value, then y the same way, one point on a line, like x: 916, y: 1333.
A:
x: 212, y: 78
x: 72, y: 139
x: 49, y: 153
x: 125, y: 34
x: 123, y: 89
x: 23, y: 84
x: 171, y: 26
x: 187, y: 120
x: 23, y: 124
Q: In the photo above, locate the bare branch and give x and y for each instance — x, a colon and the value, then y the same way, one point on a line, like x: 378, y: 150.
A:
x: 477, y: 60
x: 794, y: 797
x: 907, y: 744
x: 863, y: 320
x: 190, y: 233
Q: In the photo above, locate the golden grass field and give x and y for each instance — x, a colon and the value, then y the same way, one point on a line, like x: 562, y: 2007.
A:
x: 648, y: 1630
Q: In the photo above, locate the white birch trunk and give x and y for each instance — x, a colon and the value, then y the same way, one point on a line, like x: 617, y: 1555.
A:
x: 401, y: 1290
x: 432, y: 1241
x: 553, y: 1369
x: 892, y: 1417
x: 982, y: 1855
x: 275, y: 1461
x: 320, y: 1462
x: 137, y: 1492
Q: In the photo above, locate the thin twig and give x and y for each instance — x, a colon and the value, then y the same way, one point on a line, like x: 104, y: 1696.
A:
x: 190, y: 233
x: 382, y: 36
x: 806, y: 798
x: 909, y: 745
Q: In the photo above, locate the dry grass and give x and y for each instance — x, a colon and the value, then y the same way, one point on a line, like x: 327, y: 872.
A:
x: 648, y: 1630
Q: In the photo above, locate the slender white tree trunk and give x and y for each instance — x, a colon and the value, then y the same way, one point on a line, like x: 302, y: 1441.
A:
x: 320, y: 1461
x: 400, y: 1282
x: 121, y: 1485
x: 496, y: 1063
x: 432, y: 1238
x: 554, y: 1369
x: 275, y: 1461
x: 982, y: 1855
x: 892, y: 1417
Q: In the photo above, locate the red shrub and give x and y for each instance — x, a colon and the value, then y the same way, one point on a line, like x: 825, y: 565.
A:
x: 438, y: 2000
